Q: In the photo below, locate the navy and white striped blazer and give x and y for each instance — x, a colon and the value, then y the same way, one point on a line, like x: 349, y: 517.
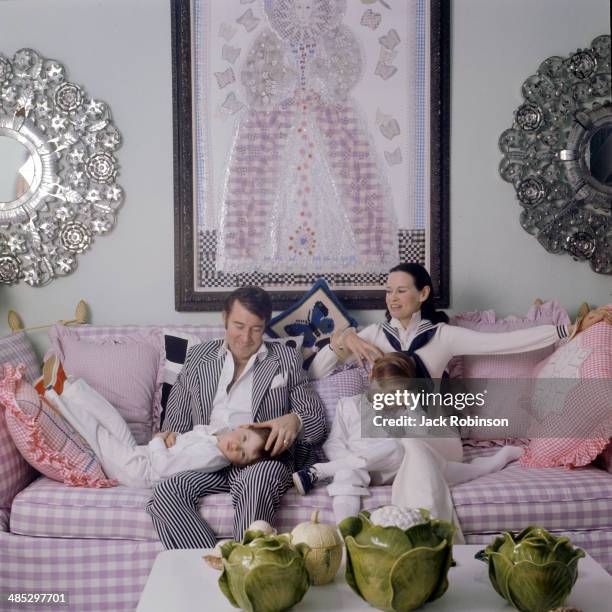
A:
x: 191, y: 400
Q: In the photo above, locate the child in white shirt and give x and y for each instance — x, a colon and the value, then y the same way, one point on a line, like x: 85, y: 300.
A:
x: 205, y: 448
x: 426, y: 465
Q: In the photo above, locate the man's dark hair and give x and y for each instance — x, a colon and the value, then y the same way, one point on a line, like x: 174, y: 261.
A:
x: 255, y: 299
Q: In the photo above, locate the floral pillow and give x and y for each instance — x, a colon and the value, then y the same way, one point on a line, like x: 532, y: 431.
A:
x: 44, y: 438
x: 572, y: 402
x: 316, y: 316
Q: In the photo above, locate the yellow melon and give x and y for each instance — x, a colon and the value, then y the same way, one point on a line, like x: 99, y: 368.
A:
x: 325, y: 554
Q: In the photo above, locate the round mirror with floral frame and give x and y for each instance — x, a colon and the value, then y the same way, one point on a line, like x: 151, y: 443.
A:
x: 57, y: 149
x: 558, y: 155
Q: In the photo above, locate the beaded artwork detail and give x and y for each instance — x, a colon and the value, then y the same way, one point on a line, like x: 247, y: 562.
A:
x: 304, y: 189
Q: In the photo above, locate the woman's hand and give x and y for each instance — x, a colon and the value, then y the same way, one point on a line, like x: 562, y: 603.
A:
x: 283, y: 432
x: 362, y: 350
x: 594, y: 316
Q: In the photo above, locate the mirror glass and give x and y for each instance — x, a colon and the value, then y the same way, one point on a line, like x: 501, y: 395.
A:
x: 16, y: 169
x: 599, y: 155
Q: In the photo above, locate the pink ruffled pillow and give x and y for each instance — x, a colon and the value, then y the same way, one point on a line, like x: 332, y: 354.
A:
x: 126, y: 370
x: 605, y: 459
x: 44, y: 438
x: 15, y: 472
x: 582, y: 410
x: 519, y: 365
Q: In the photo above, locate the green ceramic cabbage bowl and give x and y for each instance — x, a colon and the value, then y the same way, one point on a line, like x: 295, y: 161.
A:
x: 397, y: 569
x: 264, y: 573
x: 533, y: 571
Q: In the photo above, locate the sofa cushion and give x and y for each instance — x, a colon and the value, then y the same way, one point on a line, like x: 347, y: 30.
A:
x: 124, y: 370
x: 44, y: 438
x: 315, y: 316
x: 555, y: 498
x: 503, y: 399
x: 505, y: 366
x: 573, y: 400
x: 15, y: 471
x: 17, y: 349
x: 4, y: 519
x: 345, y: 383
x: 47, y: 508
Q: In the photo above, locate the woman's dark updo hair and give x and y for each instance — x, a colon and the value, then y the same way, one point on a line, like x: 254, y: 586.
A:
x: 421, y: 279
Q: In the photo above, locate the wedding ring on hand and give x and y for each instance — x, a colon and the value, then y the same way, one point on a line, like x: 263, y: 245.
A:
x: 286, y: 442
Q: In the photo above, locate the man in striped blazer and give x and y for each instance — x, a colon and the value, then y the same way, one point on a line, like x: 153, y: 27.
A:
x: 229, y: 383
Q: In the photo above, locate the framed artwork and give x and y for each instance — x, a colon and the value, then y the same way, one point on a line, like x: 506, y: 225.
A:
x: 310, y: 141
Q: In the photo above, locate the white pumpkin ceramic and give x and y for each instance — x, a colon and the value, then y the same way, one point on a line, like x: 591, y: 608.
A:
x: 262, y: 526
x: 325, y: 554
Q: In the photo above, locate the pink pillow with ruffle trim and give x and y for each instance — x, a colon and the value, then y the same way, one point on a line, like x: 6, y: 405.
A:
x: 582, y: 410
x: 605, y: 459
x: 44, y: 438
x: 519, y: 365
x: 126, y: 370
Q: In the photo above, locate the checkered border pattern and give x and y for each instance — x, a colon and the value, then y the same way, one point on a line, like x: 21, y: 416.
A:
x: 411, y: 249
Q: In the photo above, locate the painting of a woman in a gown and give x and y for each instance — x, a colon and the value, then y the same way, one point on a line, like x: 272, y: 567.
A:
x: 304, y: 191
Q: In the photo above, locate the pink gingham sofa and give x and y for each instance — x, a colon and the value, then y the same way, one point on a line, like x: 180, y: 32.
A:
x: 98, y: 545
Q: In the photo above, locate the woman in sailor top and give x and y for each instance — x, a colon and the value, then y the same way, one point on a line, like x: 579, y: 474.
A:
x: 417, y: 329
x: 415, y: 326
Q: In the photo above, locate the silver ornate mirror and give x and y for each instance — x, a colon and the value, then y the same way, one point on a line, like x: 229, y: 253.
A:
x: 558, y: 155
x: 58, y: 188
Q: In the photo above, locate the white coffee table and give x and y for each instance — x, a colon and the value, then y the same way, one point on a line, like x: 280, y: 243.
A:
x: 182, y: 582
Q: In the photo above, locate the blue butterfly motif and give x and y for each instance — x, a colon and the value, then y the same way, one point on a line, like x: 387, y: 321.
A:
x: 313, y: 327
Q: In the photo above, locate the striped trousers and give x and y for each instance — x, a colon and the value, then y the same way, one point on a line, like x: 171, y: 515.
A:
x: 256, y: 491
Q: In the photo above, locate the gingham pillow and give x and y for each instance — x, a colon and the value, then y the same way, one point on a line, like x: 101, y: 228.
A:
x: 125, y: 370
x: 344, y: 384
x: 517, y: 365
x: 44, y: 438
x: 605, y: 459
x: 582, y: 410
x: 501, y: 400
x: 17, y: 348
x: 15, y: 472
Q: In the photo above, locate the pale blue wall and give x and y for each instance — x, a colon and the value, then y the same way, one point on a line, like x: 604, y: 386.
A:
x: 119, y: 50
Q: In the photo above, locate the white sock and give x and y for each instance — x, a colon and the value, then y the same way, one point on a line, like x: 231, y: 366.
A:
x: 330, y: 468
x: 345, y: 505
x: 457, y: 473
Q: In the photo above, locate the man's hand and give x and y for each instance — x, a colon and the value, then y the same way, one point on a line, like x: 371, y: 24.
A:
x: 169, y: 437
x: 284, y: 431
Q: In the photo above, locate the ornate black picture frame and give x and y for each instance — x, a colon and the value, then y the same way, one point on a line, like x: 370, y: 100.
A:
x: 191, y: 291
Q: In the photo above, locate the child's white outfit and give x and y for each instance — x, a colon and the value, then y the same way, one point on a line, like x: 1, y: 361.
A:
x: 105, y: 430
x: 421, y: 469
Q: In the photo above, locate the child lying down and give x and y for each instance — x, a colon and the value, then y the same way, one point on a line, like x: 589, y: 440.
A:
x: 205, y: 448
